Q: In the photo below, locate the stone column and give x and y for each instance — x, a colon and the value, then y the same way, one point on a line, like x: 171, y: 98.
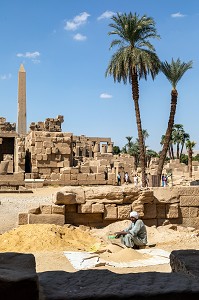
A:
x: 110, y: 148
x: 22, y: 100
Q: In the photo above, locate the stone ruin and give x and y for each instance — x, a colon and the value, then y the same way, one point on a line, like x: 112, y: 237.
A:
x: 46, y: 155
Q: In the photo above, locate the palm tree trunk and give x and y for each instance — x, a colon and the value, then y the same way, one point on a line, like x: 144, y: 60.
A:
x: 190, y: 162
x: 174, y: 97
x: 178, y: 150
x: 135, y: 95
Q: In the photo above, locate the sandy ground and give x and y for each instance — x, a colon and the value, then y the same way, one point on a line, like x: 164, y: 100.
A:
x: 53, y: 259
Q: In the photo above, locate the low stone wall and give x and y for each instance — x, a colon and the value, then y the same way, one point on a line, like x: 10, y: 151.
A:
x: 100, y: 206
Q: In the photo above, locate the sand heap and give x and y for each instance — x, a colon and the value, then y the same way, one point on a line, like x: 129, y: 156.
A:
x: 46, y: 237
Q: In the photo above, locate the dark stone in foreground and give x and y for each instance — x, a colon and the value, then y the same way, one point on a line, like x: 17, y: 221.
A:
x: 18, y: 277
x: 185, y: 261
x: 103, y: 284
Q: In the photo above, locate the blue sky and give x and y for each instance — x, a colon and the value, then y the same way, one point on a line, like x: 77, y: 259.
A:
x: 64, y: 46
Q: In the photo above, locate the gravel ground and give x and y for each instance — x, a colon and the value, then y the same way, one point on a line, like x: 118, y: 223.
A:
x: 12, y: 204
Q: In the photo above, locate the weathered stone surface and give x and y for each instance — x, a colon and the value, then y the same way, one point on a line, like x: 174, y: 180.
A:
x: 18, y: 278
x: 184, y: 211
x: 161, y: 211
x: 185, y: 261
x: 23, y: 218
x: 191, y: 222
x: 109, y: 193
x: 104, y: 284
x: 188, y: 191
x: 110, y: 212
x: 172, y: 211
x: 189, y: 200
x: 46, y: 209
x: 85, y: 208
x: 124, y: 211
x: 64, y: 198
x: 47, y: 219
x: 150, y: 211
x: 83, y: 219
x: 58, y: 209
x: 97, y: 208
x: 168, y: 194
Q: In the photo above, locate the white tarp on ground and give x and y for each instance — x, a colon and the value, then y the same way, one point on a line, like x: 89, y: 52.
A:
x: 86, y: 260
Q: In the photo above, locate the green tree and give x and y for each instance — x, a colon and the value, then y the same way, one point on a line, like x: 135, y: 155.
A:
x: 173, y: 72
x: 116, y: 150
x: 190, y: 145
x: 134, y: 59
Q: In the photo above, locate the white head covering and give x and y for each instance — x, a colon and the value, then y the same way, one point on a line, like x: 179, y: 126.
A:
x: 134, y: 214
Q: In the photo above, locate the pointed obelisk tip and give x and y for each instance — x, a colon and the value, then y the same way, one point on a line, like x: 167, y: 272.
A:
x: 21, y: 69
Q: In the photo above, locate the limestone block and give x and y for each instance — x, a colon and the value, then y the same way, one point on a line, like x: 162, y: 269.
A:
x: 110, y: 212
x: 66, y: 163
x: 38, y: 145
x: 58, y: 209
x: 73, y: 176
x: 23, y: 218
x: 150, y: 211
x: 47, y: 144
x: 151, y: 222
x: 48, y: 151
x: 189, y: 200
x: 191, y: 222
x: 73, y: 182
x: 65, y: 170
x: 55, y: 170
x: 184, y: 211
x: 38, y: 150
x: 65, y: 177
x: 91, y: 177
x: 65, y: 150
x: 193, y: 212
x: 44, y: 157
x: 46, y: 209
x: 188, y: 191
x: 56, y: 219
x: 74, y: 170
x: 71, y: 208
x: 39, y: 156
x: 139, y: 208
x: 18, y: 278
x: 45, y: 171
x: 100, y: 176
x: 124, y: 211
x: 172, y: 211
x: 82, y: 176
x: 85, y: 169
x: 97, y: 208
x: 84, y: 219
x: 161, y: 211
x: 55, y: 176
x: 35, y: 210
x: 60, y: 164
x: 85, y: 208
x: 93, y: 169
x: 64, y: 198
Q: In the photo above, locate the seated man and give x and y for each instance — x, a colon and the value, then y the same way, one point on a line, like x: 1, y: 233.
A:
x: 135, y: 235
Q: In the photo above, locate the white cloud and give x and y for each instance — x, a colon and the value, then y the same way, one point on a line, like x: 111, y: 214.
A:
x: 29, y: 54
x: 5, y: 77
x: 105, y: 96
x: 32, y: 55
x: 177, y: 15
x: 79, y: 37
x: 77, y: 21
x: 106, y: 15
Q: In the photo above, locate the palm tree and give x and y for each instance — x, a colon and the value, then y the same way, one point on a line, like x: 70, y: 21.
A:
x: 174, y: 72
x: 134, y: 59
x: 190, y: 145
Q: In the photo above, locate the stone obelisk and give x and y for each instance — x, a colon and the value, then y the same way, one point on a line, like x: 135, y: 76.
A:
x: 21, y: 125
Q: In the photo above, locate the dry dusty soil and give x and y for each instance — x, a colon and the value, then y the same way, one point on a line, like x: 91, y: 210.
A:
x: 48, y: 242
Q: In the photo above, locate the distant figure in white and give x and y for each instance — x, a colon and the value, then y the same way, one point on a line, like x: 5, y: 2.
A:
x: 126, y: 177
x: 135, y: 180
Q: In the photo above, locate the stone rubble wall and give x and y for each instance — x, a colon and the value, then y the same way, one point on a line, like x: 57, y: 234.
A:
x: 95, y: 206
